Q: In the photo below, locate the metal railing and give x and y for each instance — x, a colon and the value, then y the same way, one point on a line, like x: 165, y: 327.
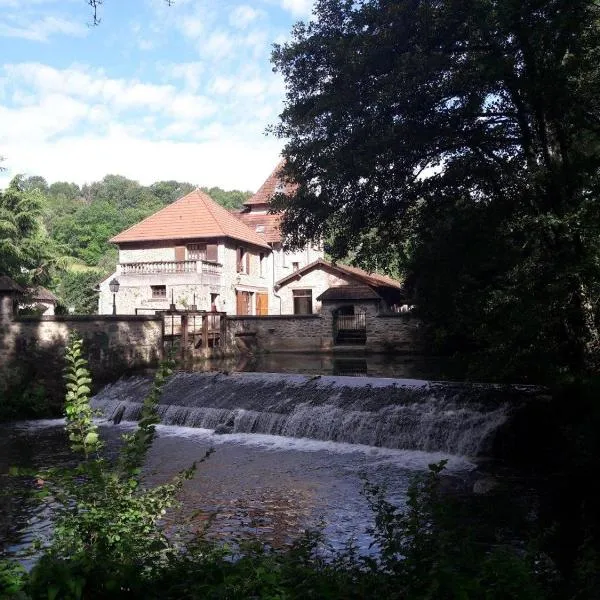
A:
x: 356, y: 322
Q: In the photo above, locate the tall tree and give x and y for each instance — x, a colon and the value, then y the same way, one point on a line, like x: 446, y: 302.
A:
x: 25, y: 251
x: 459, y: 139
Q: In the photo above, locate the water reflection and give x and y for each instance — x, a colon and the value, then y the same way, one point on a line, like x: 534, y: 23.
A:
x: 253, y: 485
x: 372, y: 365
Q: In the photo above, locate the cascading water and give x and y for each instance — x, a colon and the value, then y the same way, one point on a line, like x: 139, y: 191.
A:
x: 456, y: 418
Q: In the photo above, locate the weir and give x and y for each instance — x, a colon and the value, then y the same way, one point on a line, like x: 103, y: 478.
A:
x: 456, y: 418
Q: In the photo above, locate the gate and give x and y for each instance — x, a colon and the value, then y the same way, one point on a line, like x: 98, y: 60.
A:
x: 350, y: 329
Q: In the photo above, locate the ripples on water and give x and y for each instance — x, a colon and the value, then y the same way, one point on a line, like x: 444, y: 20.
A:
x: 270, y: 486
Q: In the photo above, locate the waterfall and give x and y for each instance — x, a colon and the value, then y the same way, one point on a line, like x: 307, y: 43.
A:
x: 456, y: 418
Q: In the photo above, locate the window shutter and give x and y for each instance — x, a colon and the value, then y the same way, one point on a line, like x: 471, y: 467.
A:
x: 179, y: 253
x: 212, y: 254
x: 239, y: 260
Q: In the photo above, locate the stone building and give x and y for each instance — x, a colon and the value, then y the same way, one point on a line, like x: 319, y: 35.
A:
x: 196, y: 253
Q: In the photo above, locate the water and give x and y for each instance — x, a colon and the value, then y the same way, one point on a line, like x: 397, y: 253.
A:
x: 355, y: 363
x: 294, y: 452
x: 273, y: 487
x: 459, y: 419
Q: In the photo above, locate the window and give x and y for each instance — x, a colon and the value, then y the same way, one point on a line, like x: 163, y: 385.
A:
x: 295, y: 266
x: 212, y: 253
x: 302, y: 302
x: 260, y: 229
x: 261, y: 264
x: 159, y: 292
x: 196, y: 251
x: 243, y: 260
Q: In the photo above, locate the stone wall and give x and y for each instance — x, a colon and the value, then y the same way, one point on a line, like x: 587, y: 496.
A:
x: 386, y: 333
x: 113, y: 344
x: 275, y: 333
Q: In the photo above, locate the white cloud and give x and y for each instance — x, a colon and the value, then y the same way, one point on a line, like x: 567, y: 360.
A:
x: 121, y: 94
x: 190, y: 72
x: 241, y: 16
x: 41, y: 29
x: 89, y: 158
x: 218, y: 45
x: 298, y: 8
x: 222, y: 85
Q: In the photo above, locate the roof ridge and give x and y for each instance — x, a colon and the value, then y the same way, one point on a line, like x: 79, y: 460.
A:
x: 209, y: 207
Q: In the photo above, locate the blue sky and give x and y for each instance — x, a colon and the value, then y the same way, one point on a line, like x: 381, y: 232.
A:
x: 155, y: 92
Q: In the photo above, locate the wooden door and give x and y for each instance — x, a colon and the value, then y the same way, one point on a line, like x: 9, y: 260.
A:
x: 242, y: 301
x: 262, y: 303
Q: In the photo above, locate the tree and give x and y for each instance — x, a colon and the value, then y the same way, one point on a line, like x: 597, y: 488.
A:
x: 21, y: 234
x: 459, y: 140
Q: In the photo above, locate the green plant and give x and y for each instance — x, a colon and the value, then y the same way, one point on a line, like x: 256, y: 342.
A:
x: 107, y: 535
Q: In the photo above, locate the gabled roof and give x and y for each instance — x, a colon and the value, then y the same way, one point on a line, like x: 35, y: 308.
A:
x: 8, y: 285
x: 41, y: 294
x: 268, y: 188
x: 195, y: 216
x: 360, y: 276
x: 349, y: 292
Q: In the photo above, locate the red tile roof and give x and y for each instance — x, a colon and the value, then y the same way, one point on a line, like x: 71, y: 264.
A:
x: 267, y: 189
x: 264, y: 224
x: 370, y: 279
x: 195, y: 216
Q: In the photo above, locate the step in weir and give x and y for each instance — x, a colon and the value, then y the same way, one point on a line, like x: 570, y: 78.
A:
x: 456, y: 418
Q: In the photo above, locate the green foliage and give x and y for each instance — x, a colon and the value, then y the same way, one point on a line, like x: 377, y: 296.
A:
x: 81, y: 429
x: 77, y: 289
x: 106, y: 536
x: 21, y: 245
x: 457, y: 142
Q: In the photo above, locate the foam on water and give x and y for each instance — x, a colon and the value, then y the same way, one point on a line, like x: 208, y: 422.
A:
x: 451, y: 418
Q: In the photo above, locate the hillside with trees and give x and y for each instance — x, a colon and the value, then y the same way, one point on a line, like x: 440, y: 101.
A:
x: 57, y: 234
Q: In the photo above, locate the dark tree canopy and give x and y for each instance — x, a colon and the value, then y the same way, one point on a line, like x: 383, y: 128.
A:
x: 457, y: 140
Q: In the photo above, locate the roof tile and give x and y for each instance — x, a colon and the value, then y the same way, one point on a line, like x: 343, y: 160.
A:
x: 195, y: 216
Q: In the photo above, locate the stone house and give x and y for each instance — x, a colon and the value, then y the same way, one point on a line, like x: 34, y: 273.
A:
x: 196, y: 253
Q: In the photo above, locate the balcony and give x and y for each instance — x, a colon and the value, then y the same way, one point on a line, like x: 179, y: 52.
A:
x: 172, y: 267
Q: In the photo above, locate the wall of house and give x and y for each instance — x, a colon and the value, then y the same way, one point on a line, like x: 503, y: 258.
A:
x: 135, y: 292
x: 149, y: 252
x: 284, y: 260
x: 318, y: 280
x: 252, y: 281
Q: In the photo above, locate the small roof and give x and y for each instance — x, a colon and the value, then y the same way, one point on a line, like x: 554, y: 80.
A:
x: 360, y: 276
x: 268, y: 189
x: 349, y: 292
x: 41, y: 294
x: 8, y: 285
x: 195, y: 216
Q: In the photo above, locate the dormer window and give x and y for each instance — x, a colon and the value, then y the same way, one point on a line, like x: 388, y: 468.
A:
x: 260, y: 229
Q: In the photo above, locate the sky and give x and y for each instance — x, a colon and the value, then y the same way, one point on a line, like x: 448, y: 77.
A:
x: 153, y: 93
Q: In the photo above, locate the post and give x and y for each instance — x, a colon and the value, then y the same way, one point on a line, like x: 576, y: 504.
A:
x: 205, y: 318
x: 114, y: 304
x: 184, y: 335
x: 223, y: 324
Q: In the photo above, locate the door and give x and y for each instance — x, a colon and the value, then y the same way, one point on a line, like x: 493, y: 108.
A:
x: 242, y: 302
x: 262, y: 303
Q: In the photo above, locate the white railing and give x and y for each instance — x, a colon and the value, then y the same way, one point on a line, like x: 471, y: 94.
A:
x: 171, y: 266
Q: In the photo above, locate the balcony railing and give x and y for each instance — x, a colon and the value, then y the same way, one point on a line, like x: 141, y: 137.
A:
x: 171, y: 267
